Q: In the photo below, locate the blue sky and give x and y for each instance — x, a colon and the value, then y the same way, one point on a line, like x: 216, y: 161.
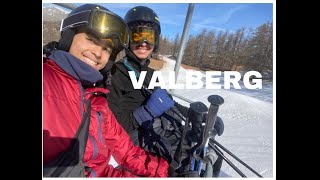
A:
x: 212, y: 16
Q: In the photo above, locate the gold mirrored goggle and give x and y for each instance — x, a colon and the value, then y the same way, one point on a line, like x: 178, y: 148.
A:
x: 102, y: 23
x: 143, y: 34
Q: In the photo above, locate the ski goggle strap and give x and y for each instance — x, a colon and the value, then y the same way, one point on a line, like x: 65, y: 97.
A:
x: 103, y: 23
x: 140, y: 34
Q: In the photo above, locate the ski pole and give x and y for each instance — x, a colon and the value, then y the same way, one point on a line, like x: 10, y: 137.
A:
x: 215, y: 102
x: 212, y: 142
x: 187, y: 100
x: 196, y: 115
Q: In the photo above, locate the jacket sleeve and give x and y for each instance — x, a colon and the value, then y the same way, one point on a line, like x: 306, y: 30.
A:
x: 122, y: 107
x: 131, y: 157
x: 127, y: 121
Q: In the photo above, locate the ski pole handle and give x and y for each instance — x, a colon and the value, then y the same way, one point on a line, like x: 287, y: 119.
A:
x: 215, y: 102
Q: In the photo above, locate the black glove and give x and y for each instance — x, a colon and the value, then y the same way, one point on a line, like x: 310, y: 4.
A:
x: 219, y: 126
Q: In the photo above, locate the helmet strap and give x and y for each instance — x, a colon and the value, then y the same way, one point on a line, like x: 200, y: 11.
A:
x: 66, y: 40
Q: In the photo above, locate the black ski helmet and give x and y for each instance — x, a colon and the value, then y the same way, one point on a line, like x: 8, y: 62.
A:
x: 81, y: 16
x: 67, y: 28
x: 144, y: 14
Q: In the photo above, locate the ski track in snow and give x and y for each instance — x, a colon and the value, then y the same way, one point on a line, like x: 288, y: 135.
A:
x: 248, y: 118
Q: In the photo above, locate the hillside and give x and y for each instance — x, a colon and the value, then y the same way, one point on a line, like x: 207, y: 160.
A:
x: 52, y: 17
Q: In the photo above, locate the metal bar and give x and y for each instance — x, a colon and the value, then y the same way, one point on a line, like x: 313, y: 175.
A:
x: 234, y: 156
x: 228, y: 161
x: 180, y: 97
x: 183, y: 39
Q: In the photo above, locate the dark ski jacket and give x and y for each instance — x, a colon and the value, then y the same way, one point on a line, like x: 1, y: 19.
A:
x: 123, y: 98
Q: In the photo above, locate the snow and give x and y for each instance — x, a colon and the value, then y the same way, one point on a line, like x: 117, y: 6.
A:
x: 248, y: 118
